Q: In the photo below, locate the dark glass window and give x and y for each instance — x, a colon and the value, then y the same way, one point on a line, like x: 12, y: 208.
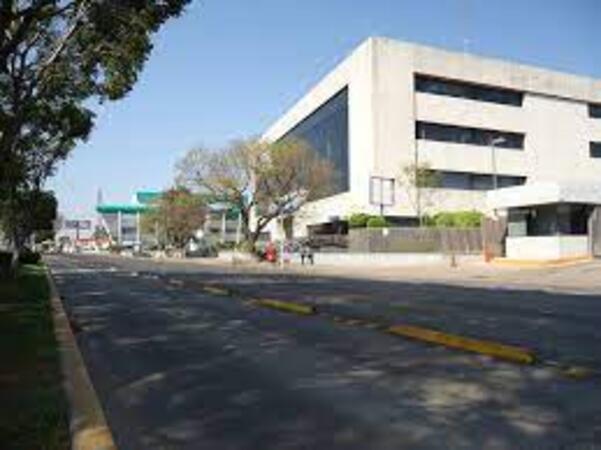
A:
x: 465, y: 135
x: 594, y: 110
x: 595, y: 149
x: 453, y: 88
x: 326, y: 131
x: 469, y: 181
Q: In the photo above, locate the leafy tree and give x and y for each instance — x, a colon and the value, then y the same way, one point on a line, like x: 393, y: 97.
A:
x: 175, y: 217
x: 419, y: 181
x: 36, y: 213
x: 56, y: 56
x: 262, y: 180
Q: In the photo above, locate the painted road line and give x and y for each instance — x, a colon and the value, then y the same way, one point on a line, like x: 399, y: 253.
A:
x: 215, y: 290
x: 489, y: 348
x: 296, y: 308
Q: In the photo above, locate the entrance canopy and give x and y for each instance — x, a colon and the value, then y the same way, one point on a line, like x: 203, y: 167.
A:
x: 544, y: 193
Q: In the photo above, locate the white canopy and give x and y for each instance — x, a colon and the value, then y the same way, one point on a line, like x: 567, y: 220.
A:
x: 544, y: 193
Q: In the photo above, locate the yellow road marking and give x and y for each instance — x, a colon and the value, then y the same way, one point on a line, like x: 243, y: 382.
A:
x: 215, y: 290
x: 297, y: 308
x: 494, y: 349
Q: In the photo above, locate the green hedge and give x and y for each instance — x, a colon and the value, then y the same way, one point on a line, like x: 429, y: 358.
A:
x: 358, y: 220
x: 377, y: 222
x: 458, y: 219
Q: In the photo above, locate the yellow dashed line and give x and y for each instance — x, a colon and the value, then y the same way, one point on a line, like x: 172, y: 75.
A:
x: 215, y: 290
x: 494, y: 349
x: 297, y: 308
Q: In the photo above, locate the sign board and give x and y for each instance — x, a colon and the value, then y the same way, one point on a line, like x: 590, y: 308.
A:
x: 381, y: 191
x: 78, y: 224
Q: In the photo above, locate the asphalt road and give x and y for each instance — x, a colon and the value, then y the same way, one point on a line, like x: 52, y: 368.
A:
x: 178, y: 368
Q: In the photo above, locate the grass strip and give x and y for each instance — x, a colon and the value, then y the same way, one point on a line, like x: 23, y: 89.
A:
x: 34, y: 408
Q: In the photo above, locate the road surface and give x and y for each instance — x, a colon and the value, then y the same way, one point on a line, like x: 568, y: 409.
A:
x: 176, y: 367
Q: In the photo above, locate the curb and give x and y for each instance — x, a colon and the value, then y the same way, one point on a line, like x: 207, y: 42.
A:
x: 494, y: 349
x: 87, y: 423
x: 540, y: 264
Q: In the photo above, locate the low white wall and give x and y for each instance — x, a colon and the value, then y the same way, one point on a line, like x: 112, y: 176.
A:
x: 546, y: 247
x: 385, y: 259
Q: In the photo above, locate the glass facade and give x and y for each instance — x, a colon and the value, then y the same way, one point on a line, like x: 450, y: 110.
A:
x: 453, y: 88
x: 470, y: 181
x: 326, y: 131
x: 466, y: 135
x: 594, y: 110
x: 595, y: 149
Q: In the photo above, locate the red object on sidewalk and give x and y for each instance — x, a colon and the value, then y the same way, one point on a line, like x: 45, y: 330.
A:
x: 271, y: 254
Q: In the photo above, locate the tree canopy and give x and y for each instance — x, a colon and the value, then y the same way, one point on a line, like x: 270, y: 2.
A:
x: 56, y: 56
x: 175, y: 217
x: 260, y: 179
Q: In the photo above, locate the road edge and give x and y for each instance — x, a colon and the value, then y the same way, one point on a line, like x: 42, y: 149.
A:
x: 87, y: 423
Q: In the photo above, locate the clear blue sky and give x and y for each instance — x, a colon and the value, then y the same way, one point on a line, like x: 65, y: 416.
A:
x: 228, y: 68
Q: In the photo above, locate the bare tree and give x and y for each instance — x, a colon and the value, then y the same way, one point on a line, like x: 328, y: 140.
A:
x: 261, y: 180
x: 419, y: 181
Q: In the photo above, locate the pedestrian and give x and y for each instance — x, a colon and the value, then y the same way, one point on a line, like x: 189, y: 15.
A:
x: 306, y: 253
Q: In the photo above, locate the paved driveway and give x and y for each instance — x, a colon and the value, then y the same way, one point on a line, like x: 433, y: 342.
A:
x: 177, y: 368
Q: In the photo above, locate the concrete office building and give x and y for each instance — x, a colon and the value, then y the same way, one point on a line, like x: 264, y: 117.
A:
x: 479, y: 123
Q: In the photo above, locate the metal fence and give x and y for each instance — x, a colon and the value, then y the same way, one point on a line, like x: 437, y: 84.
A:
x: 416, y: 240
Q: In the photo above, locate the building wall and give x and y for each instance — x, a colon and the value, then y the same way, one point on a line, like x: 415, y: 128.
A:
x: 383, y: 110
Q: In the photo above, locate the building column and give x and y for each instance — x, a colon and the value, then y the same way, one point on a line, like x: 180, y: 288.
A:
x: 138, y: 234
x: 119, y: 231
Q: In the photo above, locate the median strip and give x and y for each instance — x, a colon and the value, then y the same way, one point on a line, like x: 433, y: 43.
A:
x: 489, y: 348
x: 296, y: 308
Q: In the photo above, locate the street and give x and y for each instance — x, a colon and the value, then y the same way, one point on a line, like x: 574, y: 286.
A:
x: 177, y: 367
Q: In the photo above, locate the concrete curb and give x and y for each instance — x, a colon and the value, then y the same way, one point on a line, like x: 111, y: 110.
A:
x: 494, y: 349
x: 541, y: 264
x: 87, y: 423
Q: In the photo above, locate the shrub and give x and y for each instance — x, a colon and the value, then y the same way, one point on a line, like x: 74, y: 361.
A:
x: 458, y: 219
x: 377, y: 222
x: 28, y: 256
x: 358, y: 220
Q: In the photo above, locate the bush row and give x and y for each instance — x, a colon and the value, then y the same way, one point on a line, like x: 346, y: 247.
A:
x: 456, y: 219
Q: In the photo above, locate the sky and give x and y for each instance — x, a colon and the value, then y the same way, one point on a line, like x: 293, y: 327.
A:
x: 227, y: 69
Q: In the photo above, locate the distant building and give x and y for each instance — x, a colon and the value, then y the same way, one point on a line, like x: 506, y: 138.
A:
x: 122, y: 221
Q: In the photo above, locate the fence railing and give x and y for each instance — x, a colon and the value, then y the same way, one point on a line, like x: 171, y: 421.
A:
x: 416, y: 240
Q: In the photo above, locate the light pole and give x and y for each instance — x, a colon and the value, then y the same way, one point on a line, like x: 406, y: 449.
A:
x: 493, y: 154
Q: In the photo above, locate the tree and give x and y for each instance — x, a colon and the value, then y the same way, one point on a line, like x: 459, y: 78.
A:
x: 175, y: 217
x: 56, y: 56
x: 37, y: 211
x: 419, y: 181
x: 262, y: 180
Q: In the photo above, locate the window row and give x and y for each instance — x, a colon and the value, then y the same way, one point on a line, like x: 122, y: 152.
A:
x: 467, y: 135
x: 470, y: 181
x: 453, y: 88
x: 594, y: 110
x: 595, y: 149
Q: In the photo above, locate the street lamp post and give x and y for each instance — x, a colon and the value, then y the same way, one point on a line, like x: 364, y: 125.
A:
x: 493, y: 154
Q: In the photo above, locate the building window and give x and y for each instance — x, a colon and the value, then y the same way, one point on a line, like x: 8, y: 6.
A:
x: 594, y: 110
x: 453, y: 88
x: 466, y: 135
x: 326, y: 131
x: 595, y: 149
x: 469, y: 181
